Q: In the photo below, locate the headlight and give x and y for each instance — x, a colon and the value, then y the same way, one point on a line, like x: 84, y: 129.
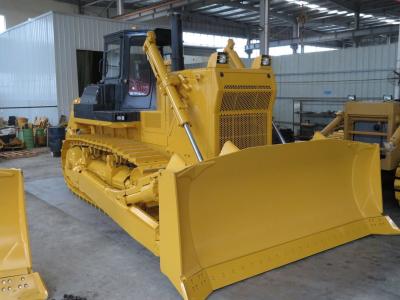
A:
x: 222, y: 58
x: 387, y: 97
x: 351, y: 97
x: 265, y: 60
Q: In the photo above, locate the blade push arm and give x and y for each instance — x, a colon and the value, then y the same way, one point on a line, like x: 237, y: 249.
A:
x: 394, y: 140
x: 333, y: 124
x: 233, y: 56
x: 168, y: 82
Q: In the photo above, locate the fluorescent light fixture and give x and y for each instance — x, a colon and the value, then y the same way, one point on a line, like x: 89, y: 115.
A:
x: 313, y: 6
x: 341, y: 12
x: 298, y: 2
x: 302, y: 2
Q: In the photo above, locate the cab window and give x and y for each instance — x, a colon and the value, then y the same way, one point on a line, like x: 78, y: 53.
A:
x: 113, y: 59
x: 139, y: 72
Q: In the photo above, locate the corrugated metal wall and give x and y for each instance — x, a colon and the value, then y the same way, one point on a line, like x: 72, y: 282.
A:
x: 38, y: 68
x: 332, y: 76
x: 27, y: 72
x: 73, y: 32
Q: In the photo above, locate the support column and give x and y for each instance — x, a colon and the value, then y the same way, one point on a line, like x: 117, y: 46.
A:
x: 177, y: 42
x: 295, y: 35
x: 397, y: 87
x: 80, y: 7
x: 294, y: 47
x: 356, y: 41
x: 120, y: 7
x: 248, y: 50
x: 301, y: 20
x: 264, y: 24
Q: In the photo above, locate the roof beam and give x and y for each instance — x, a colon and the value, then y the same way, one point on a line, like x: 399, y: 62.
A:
x: 289, y: 19
x: 198, y: 50
x: 155, y: 11
x: 249, y: 7
x: 350, y: 5
x: 232, y: 14
x: 203, y: 5
x: 95, y: 2
x: 206, y: 24
x: 338, y: 36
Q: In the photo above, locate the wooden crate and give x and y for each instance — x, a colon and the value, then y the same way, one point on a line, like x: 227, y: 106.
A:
x: 6, y: 155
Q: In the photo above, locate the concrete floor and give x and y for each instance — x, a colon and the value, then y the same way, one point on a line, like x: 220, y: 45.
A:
x: 80, y: 251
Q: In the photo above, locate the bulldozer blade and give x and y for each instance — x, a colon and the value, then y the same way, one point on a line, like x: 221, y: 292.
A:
x: 17, y: 281
x: 244, y: 213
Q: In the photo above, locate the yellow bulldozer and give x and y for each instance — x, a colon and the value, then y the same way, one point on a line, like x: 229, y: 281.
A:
x: 17, y: 280
x: 375, y: 122
x: 183, y: 161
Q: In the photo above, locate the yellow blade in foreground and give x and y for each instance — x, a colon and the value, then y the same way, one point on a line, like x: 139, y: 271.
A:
x: 241, y: 214
x: 17, y: 281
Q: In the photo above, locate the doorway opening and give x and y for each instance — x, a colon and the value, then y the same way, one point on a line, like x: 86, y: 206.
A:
x: 89, y: 69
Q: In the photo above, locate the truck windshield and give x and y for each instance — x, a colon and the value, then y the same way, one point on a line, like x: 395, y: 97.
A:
x: 113, y: 59
x: 139, y: 72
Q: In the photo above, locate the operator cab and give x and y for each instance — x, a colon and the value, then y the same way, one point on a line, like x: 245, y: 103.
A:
x: 128, y: 85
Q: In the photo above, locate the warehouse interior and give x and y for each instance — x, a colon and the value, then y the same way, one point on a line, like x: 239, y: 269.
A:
x: 191, y: 149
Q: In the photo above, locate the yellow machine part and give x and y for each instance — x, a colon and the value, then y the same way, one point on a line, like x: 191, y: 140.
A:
x: 17, y: 281
x: 397, y: 185
x: 244, y: 213
x: 249, y: 206
x: 370, y: 122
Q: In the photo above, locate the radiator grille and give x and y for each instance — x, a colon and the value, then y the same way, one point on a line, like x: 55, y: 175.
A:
x: 244, y: 130
x: 245, y: 100
x: 247, y: 87
x: 243, y: 115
